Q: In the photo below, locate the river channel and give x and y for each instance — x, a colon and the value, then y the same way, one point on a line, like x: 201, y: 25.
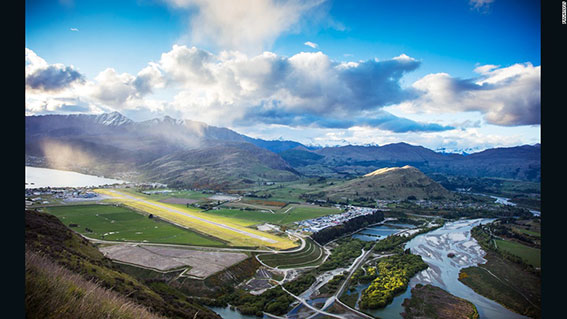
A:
x: 433, y: 247
x: 443, y: 271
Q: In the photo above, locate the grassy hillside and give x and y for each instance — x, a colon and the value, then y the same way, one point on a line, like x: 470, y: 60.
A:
x: 220, y: 167
x: 45, y: 235
x: 388, y: 183
x: 53, y: 291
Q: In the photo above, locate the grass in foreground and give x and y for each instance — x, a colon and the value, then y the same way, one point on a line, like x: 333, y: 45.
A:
x: 118, y: 223
x: 46, y: 234
x: 52, y: 291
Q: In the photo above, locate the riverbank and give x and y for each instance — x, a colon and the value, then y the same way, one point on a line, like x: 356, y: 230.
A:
x: 509, y: 283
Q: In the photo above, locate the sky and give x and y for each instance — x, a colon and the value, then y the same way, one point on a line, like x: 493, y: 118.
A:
x: 454, y: 76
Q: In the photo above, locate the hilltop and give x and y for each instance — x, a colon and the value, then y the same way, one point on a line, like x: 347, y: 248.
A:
x: 389, y: 183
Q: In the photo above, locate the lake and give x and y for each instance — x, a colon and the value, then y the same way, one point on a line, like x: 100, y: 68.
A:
x: 227, y: 313
x: 37, y: 177
x: 379, y: 232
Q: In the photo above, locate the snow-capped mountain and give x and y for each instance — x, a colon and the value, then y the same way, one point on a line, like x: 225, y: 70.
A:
x: 112, y: 119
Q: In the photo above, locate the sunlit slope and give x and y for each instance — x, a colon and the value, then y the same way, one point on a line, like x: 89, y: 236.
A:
x: 236, y: 235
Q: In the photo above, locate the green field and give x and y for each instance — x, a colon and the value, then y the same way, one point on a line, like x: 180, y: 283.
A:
x: 311, y: 255
x: 529, y: 254
x: 188, y: 194
x: 118, y: 223
x: 287, y: 215
x: 292, y: 191
x: 527, y: 232
x: 248, y: 214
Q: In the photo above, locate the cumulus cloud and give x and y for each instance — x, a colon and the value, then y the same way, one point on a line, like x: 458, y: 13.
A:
x: 305, y: 89
x: 126, y: 91
x: 52, y: 88
x: 187, y: 65
x: 245, y: 25
x: 49, y: 77
x: 148, y: 79
x: 505, y: 96
x: 113, y: 88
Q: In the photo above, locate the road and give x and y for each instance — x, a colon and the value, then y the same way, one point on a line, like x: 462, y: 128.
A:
x: 335, y: 298
x: 311, y: 307
x: 101, y: 241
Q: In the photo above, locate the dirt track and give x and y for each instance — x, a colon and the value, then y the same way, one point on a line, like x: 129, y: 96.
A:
x: 202, y: 263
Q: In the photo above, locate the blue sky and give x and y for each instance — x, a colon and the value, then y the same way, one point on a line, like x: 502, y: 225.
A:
x: 449, y: 75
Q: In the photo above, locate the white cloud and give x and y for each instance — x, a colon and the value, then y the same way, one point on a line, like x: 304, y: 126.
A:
x: 59, y: 88
x: 112, y: 88
x: 187, y: 65
x: 74, y: 29
x: 311, y: 44
x: 403, y: 57
x: 506, y: 96
x: 246, y: 25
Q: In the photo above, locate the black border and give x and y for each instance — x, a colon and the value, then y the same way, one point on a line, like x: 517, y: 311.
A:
x: 553, y: 101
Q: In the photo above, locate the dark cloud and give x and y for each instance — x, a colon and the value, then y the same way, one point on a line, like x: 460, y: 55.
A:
x: 53, y: 78
x: 377, y: 83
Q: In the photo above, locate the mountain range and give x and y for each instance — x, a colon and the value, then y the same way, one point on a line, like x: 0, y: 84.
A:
x: 193, y: 154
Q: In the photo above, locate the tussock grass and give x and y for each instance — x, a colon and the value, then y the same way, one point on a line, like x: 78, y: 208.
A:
x: 53, y: 291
